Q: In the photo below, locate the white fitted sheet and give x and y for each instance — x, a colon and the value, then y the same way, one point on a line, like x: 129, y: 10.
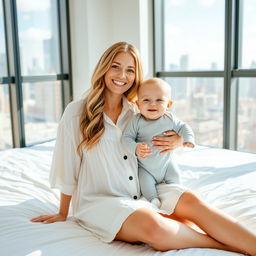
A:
x: 226, y: 179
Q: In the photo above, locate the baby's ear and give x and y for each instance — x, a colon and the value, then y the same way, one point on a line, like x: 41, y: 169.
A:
x: 169, y: 104
x: 137, y: 103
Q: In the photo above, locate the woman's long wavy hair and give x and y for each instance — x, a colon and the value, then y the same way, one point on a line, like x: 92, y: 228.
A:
x: 91, y: 119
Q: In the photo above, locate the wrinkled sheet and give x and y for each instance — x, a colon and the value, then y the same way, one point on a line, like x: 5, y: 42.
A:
x: 224, y: 178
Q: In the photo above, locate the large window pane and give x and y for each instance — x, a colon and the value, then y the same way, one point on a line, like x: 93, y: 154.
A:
x: 246, y: 135
x: 42, y: 104
x: 199, y: 102
x: 193, y: 35
x: 3, y: 63
x: 5, y: 118
x: 38, y: 36
x: 248, y: 34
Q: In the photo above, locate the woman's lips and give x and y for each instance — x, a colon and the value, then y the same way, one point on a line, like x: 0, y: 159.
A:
x: 118, y: 83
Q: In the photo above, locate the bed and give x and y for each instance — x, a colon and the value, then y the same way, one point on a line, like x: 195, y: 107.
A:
x: 224, y: 178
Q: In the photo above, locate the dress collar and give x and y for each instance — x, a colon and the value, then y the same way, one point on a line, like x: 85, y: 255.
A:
x: 126, y: 106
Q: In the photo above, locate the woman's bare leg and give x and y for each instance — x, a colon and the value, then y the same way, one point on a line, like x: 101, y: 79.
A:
x: 218, y: 225
x: 184, y: 221
x: 163, y: 234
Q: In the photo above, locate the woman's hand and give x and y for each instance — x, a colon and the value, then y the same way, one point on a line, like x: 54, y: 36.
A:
x: 61, y: 216
x: 46, y: 219
x: 170, y: 142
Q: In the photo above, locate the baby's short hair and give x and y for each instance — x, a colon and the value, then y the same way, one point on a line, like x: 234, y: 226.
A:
x: 159, y: 82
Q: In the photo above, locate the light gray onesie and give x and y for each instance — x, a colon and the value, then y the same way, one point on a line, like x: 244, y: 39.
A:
x: 157, y: 167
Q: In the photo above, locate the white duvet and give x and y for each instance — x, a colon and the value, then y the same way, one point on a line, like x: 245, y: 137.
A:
x: 225, y: 178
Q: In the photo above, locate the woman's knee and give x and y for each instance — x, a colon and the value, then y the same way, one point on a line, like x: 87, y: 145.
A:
x: 190, y: 197
x: 143, y: 225
x: 188, y: 202
x: 154, y: 231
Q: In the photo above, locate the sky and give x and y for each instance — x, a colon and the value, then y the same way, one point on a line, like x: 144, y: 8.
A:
x: 196, y: 28
x: 193, y: 27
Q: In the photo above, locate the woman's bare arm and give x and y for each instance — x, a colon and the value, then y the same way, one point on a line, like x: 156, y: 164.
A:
x: 61, y: 216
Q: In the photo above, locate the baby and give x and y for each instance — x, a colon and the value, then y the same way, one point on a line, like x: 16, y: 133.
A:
x: 154, y: 99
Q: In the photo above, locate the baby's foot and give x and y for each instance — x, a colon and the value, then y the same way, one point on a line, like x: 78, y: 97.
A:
x: 156, y: 202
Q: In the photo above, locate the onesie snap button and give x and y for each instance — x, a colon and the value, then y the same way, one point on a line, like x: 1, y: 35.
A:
x: 135, y: 197
x: 130, y: 178
x: 125, y: 157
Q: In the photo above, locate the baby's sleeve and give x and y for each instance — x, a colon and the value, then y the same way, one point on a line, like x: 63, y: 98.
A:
x: 129, y: 136
x: 184, y: 130
x: 65, y: 162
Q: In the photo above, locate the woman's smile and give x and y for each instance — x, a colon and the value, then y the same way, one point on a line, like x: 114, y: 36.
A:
x: 118, y: 83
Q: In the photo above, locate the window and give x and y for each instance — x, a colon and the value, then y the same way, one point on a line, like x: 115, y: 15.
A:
x: 35, y: 70
x: 246, y: 139
x: 193, y: 35
x: 38, y: 37
x: 5, y: 115
x: 248, y: 33
x: 206, y: 51
x: 199, y: 102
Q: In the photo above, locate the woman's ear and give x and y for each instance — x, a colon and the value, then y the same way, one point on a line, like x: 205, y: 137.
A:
x: 169, y: 104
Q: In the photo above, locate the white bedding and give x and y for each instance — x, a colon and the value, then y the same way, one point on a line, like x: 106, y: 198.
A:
x: 224, y: 178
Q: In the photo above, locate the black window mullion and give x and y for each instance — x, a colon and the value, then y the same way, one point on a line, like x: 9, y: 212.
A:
x: 244, y: 73
x: 44, y: 78
x: 190, y: 74
x: 230, y: 84
x: 238, y: 34
x: 159, y: 35
x: 7, y: 80
x: 13, y: 60
x: 65, y: 51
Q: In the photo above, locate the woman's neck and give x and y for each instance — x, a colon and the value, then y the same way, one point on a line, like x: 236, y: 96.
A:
x: 113, y: 106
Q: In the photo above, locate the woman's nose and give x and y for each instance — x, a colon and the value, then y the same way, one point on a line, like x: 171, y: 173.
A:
x: 121, y: 73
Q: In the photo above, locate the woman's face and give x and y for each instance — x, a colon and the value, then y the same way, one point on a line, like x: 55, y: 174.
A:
x: 121, y: 75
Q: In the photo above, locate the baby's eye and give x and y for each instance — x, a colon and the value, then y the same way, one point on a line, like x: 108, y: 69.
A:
x: 159, y: 100
x: 145, y: 100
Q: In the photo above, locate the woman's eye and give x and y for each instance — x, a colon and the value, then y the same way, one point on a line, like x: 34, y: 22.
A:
x: 115, y: 66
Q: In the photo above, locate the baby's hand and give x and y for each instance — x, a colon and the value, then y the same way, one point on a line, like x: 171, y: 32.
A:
x: 188, y: 144
x: 143, y: 150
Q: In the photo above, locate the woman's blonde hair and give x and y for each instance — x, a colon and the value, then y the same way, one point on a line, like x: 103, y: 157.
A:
x: 91, y: 119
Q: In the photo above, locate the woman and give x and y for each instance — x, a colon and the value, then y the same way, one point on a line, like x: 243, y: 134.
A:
x: 91, y: 167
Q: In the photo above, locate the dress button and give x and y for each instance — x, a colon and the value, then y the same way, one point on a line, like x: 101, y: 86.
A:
x: 125, y: 157
x: 130, y: 178
x: 135, y: 197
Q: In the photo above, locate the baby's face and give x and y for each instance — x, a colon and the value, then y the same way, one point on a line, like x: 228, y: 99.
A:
x: 153, y: 100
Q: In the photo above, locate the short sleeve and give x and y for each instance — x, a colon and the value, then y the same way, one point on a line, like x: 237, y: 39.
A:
x: 65, y: 162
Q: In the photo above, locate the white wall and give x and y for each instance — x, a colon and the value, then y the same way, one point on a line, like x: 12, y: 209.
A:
x: 96, y: 24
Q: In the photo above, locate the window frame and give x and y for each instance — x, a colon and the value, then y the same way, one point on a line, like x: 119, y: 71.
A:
x: 15, y: 79
x: 230, y: 74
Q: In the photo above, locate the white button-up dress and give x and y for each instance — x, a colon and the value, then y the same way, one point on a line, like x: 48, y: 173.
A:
x: 104, y: 183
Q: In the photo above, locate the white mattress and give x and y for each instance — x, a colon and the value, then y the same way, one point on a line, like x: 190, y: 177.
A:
x: 224, y: 178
